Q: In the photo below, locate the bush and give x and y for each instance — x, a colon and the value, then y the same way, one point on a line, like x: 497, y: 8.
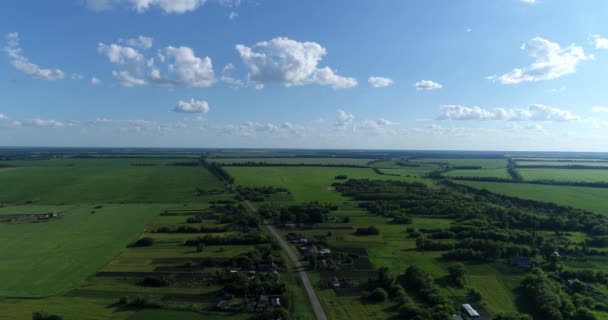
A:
x: 143, y: 242
x: 369, y: 231
x: 378, y: 295
x: 42, y: 315
x: 154, y: 282
x: 341, y: 177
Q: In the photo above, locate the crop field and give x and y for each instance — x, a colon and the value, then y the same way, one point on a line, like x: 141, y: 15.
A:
x: 46, y: 258
x: 305, y: 183
x: 458, y: 162
x: 563, y: 163
x: 482, y: 173
x: 577, y: 175
x: 593, y: 199
x: 323, y: 161
x: 108, y: 182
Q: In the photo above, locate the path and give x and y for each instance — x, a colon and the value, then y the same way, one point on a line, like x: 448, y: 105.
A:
x: 310, y: 291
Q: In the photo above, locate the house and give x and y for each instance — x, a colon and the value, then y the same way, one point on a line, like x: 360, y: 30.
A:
x: 522, y: 262
x: 470, y: 311
x: 325, y: 252
x: 335, y: 283
x: 275, y: 302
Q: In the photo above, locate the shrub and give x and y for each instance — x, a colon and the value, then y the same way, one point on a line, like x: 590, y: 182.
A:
x: 143, y: 242
x: 378, y: 295
x: 369, y: 231
x: 42, y: 315
x: 154, y: 282
x: 341, y: 177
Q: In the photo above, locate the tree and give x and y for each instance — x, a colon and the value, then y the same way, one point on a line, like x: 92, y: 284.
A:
x: 456, y: 274
x: 378, y: 295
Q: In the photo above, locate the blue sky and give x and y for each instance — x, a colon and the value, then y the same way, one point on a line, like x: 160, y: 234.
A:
x: 474, y: 75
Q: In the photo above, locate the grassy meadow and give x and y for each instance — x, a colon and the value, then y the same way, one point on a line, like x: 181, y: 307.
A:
x: 322, y: 161
x: 47, y: 258
x: 102, y: 181
x: 306, y: 183
x: 577, y: 175
x: 482, y: 173
x: 457, y: 162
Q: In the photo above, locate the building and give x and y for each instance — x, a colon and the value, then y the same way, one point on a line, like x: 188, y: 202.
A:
x: 470, y: 311
x: 275, y: 302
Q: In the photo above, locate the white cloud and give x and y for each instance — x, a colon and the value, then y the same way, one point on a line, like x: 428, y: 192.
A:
x: 345, y: 119
x: 192, y: 106
x: 77, y: 76
x: 427, y: 85
x: 291, y: 63
x: 3, y: 117
x: 95, y: 80
x: 233, y: 15
x: 600, y: 43
x: 551, y: 62
x: 536, y: 112
x: 21, y: 63
x: 141, y: 42
x: 168, y: 6
x: 228, y: 75
x: 183, y: 67
x: 377, y: 126
x: 599, y: 109
x: 380, y: 82
x: 48, y: 123
x: 528, y: 1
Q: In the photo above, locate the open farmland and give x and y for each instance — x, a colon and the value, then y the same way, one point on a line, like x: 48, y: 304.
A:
x: 594, y: 199
x: 103, y: 181
x: 576, y: 175
x: 305, y: 161
x: 45, y: 258
x: 466, y: 162
x: 563, y: 163
x: 305, y: 183
x: 482, y: 173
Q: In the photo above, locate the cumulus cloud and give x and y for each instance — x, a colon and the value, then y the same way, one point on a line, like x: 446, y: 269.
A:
x: 599, y: 109
x: 95, y: 80
x: 551, y: 62
x: 22, y: 63
x: 180, y: 66
x: 600, y: 42
x: 77, y: 76
x: 528, y: 1
x: 228, y: 75
x: 232, y: 15
x: 427, y: 85
x: 192, y: 106
x: 291, y: 63
x: 3, y: 117
x: 345, y: 119
x: 140, y: 42
x: 377, y: 126
x: 47, y: 123
x: 536, y: 112
x: 380, y: 82
x: 167, y: 6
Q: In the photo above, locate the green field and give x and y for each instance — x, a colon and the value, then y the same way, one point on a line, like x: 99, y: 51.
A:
x: 483, y: 163
x: 577, y: 175
x: 104, y: 181
x: 594, y: 199
x: 46, y: 258
x: 563, y: 163
x: 482, y: 173
x: 305, y: 183
x: 330, y: 161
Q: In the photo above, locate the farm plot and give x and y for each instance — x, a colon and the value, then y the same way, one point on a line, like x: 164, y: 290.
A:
x: 481, y: 173
x: 306, y: 183
x: 466, y: 162
x: 593, y: 199
x: 105, y: 183
x: 305, y: 161
x: 46, y: 258
x: 574, y: 175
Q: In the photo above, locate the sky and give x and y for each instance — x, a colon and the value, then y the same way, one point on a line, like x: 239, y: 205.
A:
x: 522, y: 75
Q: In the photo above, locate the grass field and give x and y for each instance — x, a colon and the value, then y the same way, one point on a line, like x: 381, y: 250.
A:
x: 563, y: 163
x: 584, y: 175
x: 305, y: 183
x: 483, y: 173
x: 483, y: 163
x: 594, y: 199
x: 336, y: 161
x: 45, y: 258
x: 103, y: 181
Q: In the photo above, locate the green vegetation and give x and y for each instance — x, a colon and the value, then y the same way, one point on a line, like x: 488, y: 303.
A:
x: 594, y: 199
x: 485, y: 173
x: 576, y: 175
x: 325, y: 161
x: 305, y: 183
x: 466, y: 162
x: 46, y: 258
